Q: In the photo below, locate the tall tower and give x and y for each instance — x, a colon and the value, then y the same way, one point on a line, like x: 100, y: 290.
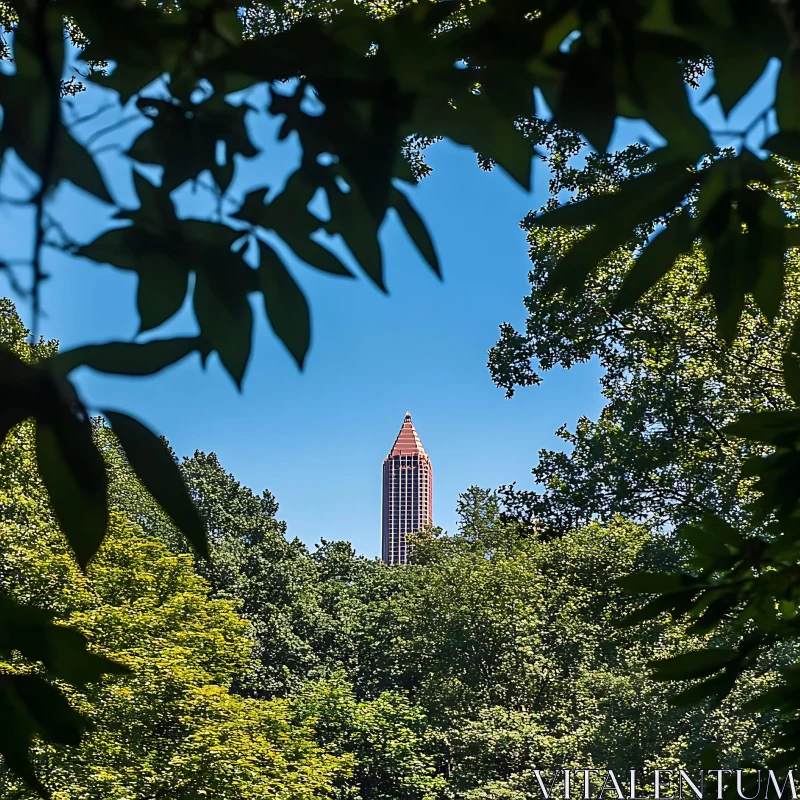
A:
x: 407, y: 493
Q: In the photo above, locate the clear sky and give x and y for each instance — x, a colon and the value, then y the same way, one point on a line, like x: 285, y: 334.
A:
x: 317, y: 439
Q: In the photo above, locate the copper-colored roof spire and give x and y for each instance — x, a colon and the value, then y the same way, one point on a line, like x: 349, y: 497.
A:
x: 407, y: 442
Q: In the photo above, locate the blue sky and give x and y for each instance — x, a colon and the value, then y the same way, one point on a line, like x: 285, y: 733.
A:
x: 317, y: 439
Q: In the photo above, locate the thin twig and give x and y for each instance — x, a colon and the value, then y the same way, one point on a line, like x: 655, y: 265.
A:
x: 92, y: 115
x: 53, y: 86
x: 69, y: 244
x: 111, y: 128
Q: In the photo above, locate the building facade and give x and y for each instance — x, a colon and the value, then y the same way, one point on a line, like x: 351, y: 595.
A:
x: 407, y: 493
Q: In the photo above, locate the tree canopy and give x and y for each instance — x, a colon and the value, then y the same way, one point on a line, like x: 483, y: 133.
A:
x: 171, y: 726
x: 658, y: 451
x: 275, y: 668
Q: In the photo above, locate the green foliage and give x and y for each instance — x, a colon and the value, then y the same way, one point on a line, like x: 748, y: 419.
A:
x: 658, y: 451
x: 380, y: 76
x: 496, y: 653
x: 171, y: 726
x: 613, y: 274
x: 384, y: 76
x: 493, y: 655
x: 519, y: 662
x: 387, y: 737
x: 252, y: 561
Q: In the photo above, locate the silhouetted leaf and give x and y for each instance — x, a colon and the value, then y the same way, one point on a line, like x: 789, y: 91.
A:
x: 476, y: 123
x: 742, y: 230
x: 656, y: 260
x: 697, y: 664
x: 415, y: 228
x: 76, y: 165
x: 787, y: 91
x: 717, y: 687
x: 74, y: 475
x: 223, y: 175
x: 152, y: 462
x: 781, y: 698
x: 128, y: 358
x: 16, y: 735
x: 657, y: 93
x: 351, y: 219
x: 673, y: 602
x: 286, y: 306
x: 62, y: 650
x: 29, y: 707
x: 121, y: 247
x: 791, y: 376
x: 55, y: 720
x: 653, y: 583
x: 160, y: 294
x: 736, y: 69
x: 127, y: 81
x: 586, y: 101
x: 156, y: 208
x: 290, y: 219
x: 315, y: 255
x: 716, y: 611
x: 184, y: 136
x: 714, y: 537
x: 225, y: 318
x: 766, y: 247
x: 32, y: 121
x: 18, y: 389
x: 770, y: 427
x: 669, y: 180
x: 785, y: 144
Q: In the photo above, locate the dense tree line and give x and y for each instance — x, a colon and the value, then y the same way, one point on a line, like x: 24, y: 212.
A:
x: 310, y: 673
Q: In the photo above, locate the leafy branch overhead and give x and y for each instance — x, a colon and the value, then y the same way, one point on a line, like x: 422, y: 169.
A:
x: 353, y: 88
x: 374, y: 94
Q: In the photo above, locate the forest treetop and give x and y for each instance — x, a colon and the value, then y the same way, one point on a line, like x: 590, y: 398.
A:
x: 379, y: 82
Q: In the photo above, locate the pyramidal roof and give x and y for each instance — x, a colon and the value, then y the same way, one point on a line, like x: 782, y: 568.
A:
x: 407, y: 442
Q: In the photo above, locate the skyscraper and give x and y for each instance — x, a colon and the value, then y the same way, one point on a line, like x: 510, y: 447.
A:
x: 407, y: 493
